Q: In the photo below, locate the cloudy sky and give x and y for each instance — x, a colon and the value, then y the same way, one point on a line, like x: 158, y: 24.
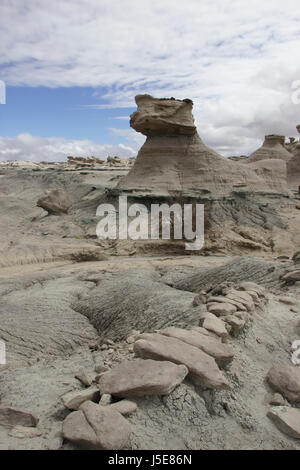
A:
x: 72, y: 69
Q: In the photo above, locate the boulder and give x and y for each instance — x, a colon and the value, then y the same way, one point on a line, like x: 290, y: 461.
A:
x: 55, y: 201
x: 221, y: 308
x: 73, y: 400
x: 222, y: 353
x: 285, y: 379
x: 203, y: 369
x: 96, y: 427
x: 140, y: 378
x: 214, y: 324
x: 237, y: 324
x: 286, y: 419
x: 14, y: 417
x: 242, y: 297
x: 221, y: 298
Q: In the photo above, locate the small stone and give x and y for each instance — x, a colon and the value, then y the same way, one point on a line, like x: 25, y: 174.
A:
x: 237, y: 324
x: 105, y: 399
x: 221, y: 308
x: 22, y: 432
x: 83, y: 378
x: 130, y: 339
x: 103, y: 347
x: 287, y: 420
x: 286, y: 380
x: 101, y: 368
x: 125, y: 407
x: 212, y: 323
x: 73, y: 400
x: 15, y: 417
x: 292, y: 276
x: 277, y: 400
x: 287, y: 300
x: 55, y: 443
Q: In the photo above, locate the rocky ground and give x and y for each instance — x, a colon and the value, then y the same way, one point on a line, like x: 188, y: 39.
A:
x: 185, y: 352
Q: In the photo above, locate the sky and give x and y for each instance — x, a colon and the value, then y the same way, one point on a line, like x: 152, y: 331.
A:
x: 73, y: 68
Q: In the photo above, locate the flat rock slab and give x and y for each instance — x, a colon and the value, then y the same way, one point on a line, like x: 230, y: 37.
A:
x: 203, y: 369
x: 285, y: 379
x: 222, y: 353
x: 96, y: 427
x: 73, y: 400
x: 221, y: 308
x: 14, y: 417
x: 286, y: 419
x: 142, y: 377
x: 214, y: 324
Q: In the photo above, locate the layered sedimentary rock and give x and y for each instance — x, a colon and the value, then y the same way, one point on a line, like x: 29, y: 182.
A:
x: 273, y: 171
x: 293, y: 169
x: 175, y: 160
x: 272, y: 148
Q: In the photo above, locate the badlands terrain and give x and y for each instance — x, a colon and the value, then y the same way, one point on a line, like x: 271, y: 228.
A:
x: 122, y: 344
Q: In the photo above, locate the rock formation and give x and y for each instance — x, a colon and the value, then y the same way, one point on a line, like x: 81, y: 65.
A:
x: 174, y: 160
x: 272, y: 148
x: 293, y: 169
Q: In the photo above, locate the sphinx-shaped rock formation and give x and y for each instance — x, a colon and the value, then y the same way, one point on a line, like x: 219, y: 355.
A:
x: 174, y: 160
x: 272, y: 148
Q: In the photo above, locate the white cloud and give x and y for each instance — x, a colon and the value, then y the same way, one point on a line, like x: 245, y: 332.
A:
x: 236, y: 59
x: 31, y: 148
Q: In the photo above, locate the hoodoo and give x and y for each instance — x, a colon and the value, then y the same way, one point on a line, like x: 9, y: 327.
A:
x: 272, y: 148
x: 174, y: 159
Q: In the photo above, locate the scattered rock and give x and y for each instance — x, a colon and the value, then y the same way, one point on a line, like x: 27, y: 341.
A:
x: 55, y: 201
x: 96, y: 427
x: 73, y: 400
x: 287, y: 300
x: 139, y: 378
x: 55, y: 443
x: 22, y: 432
x: 211, y: 323
x: 125, y: 407
x: 101, y: 368
x: 237, y: 324
x: 277, y: 400
x: 203, y: 369
x: 221, y: 308
x: 15, y: 417
x: 83, y: 378
x: 286, y: 380
x: 222, y: 353
x: 105, y: 399
x: 292, y: 276
x: 287, y: 420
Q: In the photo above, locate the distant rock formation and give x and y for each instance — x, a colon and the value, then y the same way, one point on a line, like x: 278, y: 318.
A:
x: 175, y: 160
x: 272, y: 148
x: 293, y: 169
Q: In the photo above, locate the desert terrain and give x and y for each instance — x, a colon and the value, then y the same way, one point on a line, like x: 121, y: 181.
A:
x: 139, y: 344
